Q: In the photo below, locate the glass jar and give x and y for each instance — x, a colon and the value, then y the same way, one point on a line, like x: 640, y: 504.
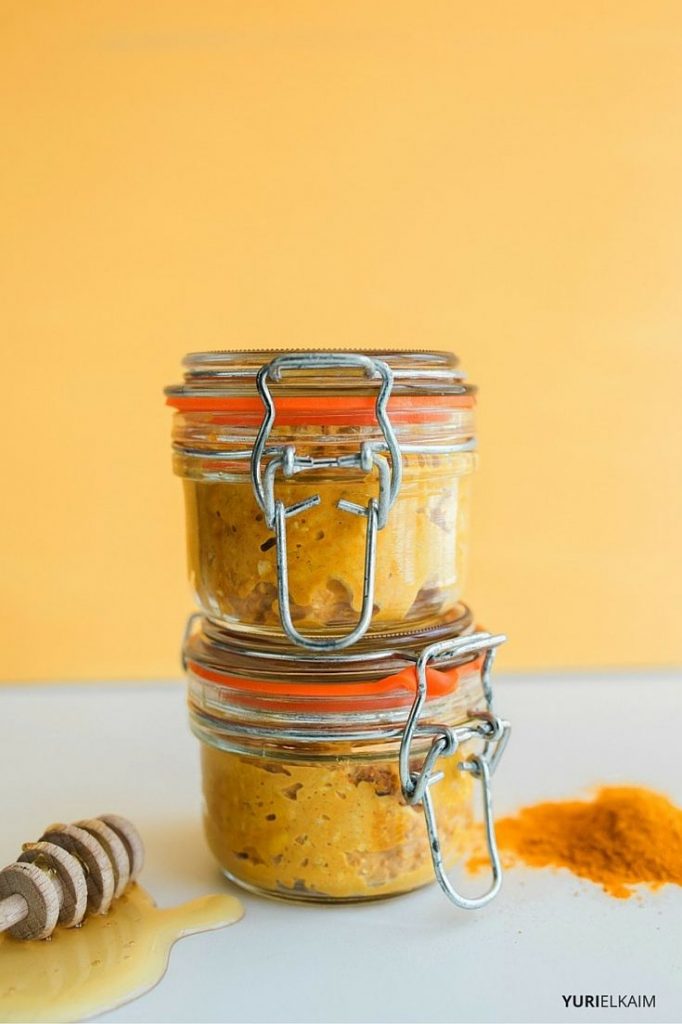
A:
x: 327, y: 493
x: 314, y: 768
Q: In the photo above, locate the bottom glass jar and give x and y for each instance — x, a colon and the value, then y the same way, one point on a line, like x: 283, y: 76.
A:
x: 306, y: 795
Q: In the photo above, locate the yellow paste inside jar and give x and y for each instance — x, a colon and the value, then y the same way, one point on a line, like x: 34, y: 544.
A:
x: 328, y: 830
x: 421, y: 552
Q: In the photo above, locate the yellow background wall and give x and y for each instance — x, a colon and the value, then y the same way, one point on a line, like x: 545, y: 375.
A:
x: 502, y: 178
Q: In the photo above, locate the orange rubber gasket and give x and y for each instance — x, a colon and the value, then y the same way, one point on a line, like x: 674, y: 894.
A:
x: 438, y: 682
x: 357, y: 410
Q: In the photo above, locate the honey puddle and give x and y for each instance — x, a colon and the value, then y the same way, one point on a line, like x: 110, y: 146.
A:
x: 110, y: 960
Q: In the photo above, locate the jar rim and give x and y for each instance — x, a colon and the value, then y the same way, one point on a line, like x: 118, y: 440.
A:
x: 220, y: 375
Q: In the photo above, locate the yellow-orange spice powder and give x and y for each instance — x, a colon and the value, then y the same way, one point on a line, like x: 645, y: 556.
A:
x: 624, y: 836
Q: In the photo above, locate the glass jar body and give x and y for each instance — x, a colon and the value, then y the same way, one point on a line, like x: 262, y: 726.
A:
x: 327, y: 829
x: 421, y: 551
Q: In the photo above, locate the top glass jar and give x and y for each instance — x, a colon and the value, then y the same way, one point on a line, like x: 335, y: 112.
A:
x: 327, y: 493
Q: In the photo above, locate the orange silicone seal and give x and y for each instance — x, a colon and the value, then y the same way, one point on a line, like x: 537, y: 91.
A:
x: 439, y: 683
x: 357, y: 410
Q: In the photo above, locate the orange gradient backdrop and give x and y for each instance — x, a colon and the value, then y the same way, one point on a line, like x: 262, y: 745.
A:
x: 498, y: 178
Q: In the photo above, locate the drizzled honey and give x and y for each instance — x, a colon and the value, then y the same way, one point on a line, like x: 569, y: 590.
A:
x: 109, y: 960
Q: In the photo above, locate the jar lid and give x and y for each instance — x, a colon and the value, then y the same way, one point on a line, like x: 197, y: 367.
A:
x: 321, y: 385
x: 368, y: 675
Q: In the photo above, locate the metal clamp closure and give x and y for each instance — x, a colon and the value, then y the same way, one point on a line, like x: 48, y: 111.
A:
x: 366, y: 459
x: 483, y: 724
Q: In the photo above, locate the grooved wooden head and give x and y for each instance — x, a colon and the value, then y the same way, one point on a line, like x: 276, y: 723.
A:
x: 99, y: 873
x: 40, y: 894
x: 69, y: 872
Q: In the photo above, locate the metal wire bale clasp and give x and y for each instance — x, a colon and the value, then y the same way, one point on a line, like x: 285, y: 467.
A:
x: 483, y: 724
x: 366, y: 459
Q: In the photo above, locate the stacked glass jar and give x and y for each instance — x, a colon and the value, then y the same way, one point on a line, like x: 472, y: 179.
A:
x: 336, y: 680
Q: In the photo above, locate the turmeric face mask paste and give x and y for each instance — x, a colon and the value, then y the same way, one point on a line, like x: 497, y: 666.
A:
x: 624, y: 836
x: 421, y: 552
x: 336, y: 830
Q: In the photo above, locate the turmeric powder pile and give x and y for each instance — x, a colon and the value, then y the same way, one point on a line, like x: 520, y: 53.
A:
x: 624, y: 836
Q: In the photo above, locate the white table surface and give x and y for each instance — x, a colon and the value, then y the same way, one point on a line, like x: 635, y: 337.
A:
x: 72, y: 751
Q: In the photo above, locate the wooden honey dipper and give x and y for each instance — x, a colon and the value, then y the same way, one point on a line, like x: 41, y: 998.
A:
x: 72, y: 870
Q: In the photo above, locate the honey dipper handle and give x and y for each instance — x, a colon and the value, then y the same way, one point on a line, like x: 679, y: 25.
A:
x: 13, y: 909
